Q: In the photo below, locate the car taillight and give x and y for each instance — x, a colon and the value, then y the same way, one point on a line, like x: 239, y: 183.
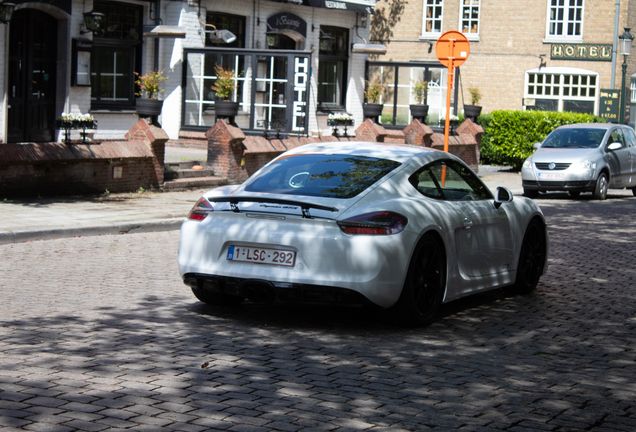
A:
x: 200, y: 210
x: 379, y: 223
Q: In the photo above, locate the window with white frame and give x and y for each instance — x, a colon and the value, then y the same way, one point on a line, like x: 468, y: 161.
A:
x: 469, y: 16
x: 432, y: 22
x: 632, y: 87
x: 561, y: 89
x: 565, y: 19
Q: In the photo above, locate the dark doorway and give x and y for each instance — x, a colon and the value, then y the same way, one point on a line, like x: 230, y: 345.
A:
x: 32, y: 81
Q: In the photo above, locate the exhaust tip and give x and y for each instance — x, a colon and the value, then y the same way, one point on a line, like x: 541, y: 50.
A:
x: 258, y: 291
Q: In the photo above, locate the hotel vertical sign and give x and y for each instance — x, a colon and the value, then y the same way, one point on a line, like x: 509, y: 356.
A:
x: 585, y: 52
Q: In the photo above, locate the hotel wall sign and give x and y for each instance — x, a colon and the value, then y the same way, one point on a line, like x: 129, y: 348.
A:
x: 586, y: 52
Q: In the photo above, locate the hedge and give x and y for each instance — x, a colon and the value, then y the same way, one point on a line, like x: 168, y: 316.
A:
x: 509, y: 135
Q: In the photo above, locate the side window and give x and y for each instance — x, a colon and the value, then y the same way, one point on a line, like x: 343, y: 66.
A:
x: 450, y: 181
x: 616, y: 136
x: 630, y: 137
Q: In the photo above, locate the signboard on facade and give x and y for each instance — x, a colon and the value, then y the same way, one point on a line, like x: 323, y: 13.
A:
x: 287, y: 21
x: 586, y: 52
x: 609, y: 106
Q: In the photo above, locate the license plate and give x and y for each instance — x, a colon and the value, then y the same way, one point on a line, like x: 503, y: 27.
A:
x: 550, y: 176
x: 261, y: 256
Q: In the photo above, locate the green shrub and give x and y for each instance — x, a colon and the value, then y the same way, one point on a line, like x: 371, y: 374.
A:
x: 509, y: 135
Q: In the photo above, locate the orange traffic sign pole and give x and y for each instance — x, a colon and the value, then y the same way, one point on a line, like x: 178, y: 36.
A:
x: 452, y: 50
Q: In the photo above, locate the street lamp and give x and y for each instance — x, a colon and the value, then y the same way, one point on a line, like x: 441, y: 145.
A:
x: 626, y: 47
x: 6, y: 11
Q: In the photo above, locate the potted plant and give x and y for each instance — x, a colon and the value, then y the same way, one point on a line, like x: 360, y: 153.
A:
x: 150, y: 86
x: 224, y: 88
x: 419, y: 110
x: 373, y: 108
x: 472, y: 111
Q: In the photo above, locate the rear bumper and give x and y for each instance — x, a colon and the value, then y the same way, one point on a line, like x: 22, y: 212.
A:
x: 545, y: 186
x: 262, y: 291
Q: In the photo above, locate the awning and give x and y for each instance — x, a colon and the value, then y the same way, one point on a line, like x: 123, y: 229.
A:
x: 363, y: 6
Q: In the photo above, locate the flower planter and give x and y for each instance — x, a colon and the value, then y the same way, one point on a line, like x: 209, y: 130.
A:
x: 338, y: 122
x: 68, y: 125
x: 472, y: 112
x: 149, y: 108
x: 372, y: 111
x: 419, y: 112
x: 226, y: 110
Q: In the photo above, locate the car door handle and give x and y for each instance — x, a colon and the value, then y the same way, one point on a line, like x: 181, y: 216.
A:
x: 467, y: 223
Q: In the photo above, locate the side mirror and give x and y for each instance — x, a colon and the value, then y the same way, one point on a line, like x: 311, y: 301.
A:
x: 536, y: 145
x: 502, y: 195
x: 614, y: 146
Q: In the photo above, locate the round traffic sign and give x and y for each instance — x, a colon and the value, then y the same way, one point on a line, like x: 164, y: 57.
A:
x: 452, y: 47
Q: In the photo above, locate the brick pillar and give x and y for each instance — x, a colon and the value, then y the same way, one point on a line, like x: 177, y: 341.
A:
x: 225, y: 151
x: 156, y: 139
x: 370, y: 131
x: 418, y: 134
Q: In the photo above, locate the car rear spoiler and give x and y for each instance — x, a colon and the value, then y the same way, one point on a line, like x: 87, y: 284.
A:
x: 303, y: 205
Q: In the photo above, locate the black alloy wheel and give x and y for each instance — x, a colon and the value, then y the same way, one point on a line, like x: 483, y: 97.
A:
x: 423, y: 290
x: 531, y: 258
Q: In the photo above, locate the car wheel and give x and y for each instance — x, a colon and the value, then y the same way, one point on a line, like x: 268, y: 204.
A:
x: 530, y: 193
x: 600, y: 191
x: 531, y: 259
x: 574, y: 194
x: 423, y: 290
x: 216, y: 299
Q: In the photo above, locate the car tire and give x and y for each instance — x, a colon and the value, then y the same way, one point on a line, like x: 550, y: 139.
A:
x: 574, y: 194
x: 530, y: 193
x: 216, y: 299
x: 423, y: 290
x: 600, y: 190
x: 531, y: 258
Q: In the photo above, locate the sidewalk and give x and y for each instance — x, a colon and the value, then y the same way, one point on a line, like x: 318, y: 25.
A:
x: 50, y: 218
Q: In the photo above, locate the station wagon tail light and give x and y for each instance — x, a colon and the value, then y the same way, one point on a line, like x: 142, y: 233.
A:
x: 200, y: 210
x: 378, y: 223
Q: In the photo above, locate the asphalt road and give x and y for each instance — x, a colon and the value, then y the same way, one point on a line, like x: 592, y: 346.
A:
x: 99, y: 333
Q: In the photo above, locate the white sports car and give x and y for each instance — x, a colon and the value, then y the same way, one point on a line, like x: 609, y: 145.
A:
x: 390, y: 225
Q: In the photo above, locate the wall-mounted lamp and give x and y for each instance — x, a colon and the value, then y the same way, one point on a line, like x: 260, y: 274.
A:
x: 6, y: 11
x: 220, y: 36
x: 368, y: 48
x: 92, y: 22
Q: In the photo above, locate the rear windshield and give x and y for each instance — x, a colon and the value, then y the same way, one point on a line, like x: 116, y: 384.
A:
x: 332, y: 176
x: 575, y: 138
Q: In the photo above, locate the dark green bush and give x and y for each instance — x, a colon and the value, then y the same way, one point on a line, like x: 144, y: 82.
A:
x: 509, y: 135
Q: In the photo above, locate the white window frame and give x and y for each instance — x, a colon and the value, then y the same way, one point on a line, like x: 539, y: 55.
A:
x: 564, y: 37
x: 632, y: 88
x: 558, y: 77
x: 470, y: 5
x: 432, y: 34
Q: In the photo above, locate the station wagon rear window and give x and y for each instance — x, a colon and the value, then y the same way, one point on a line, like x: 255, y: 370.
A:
x: 330, y: 176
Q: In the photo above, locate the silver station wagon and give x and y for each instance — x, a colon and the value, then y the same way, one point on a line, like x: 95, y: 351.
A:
x: 588, y: 157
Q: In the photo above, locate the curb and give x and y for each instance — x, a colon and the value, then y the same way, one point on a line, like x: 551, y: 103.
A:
x: 124, y: 228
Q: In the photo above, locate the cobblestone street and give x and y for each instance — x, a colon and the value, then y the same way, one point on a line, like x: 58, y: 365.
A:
x: 99, y: 333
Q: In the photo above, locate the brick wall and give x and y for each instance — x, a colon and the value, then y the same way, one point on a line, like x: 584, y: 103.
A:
x: 236, y: 157
x: 61, y: 169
